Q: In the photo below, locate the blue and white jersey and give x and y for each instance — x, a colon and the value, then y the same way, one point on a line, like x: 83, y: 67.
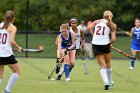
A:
x: 135, y: 45
x: 66, y: 43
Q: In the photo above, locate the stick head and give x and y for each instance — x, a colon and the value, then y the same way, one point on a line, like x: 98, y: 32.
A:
x: 49, y: 77
x: 41, y: 48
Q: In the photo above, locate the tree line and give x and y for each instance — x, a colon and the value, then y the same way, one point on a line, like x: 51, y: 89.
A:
x: 48, y: 15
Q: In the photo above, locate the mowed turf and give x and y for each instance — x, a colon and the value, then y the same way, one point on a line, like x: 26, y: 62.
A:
x: 34, y: 73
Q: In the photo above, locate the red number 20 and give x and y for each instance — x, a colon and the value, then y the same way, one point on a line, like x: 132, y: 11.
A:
x: 3, y: 38
x: 100, y: 30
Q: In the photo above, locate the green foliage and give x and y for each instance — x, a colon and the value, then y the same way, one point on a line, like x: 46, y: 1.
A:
x: 50, y: 14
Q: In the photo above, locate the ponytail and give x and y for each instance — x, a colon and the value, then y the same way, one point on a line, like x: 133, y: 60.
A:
x: 108, y: 16
x: 8, y: 18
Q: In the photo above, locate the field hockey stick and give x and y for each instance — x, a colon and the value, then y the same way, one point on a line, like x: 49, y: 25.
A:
x: 38, y: 50
x: 127, y: 33
x: 84, y: 63
x: 58, y: 64
x: 122, y: 52
x: 121, y: 30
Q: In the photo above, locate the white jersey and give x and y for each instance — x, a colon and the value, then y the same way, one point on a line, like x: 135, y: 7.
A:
x: 101, y: 33
x: 5, y: 46
x: 77, y: 36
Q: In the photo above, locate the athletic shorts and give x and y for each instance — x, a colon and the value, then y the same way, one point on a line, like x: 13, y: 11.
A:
x: 135, y: 46
x: 8, y: 60
x: 101, y: 49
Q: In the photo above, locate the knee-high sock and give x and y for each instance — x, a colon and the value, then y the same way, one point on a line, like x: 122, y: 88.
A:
x: 0, y: 82
x: 13, y: 78
x: 61, y: 71
x: 109, y: 75
x: 71, y: 68
x: 67, y: 70
x: 104, y: 76
x: 132, y: 62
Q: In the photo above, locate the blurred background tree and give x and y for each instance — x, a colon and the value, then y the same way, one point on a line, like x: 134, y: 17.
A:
x: 48, y: 15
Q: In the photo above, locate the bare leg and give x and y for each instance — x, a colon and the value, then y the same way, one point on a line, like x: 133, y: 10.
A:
x: 133, y: 60
x: 1, y: 73
x: 13, y: 78
x: 102, y: 69
x: 108, y: 68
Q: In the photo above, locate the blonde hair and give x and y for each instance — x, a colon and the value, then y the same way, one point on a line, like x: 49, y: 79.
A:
x: 137, y: 19
x: 108, y: 16
x: 64, y: 26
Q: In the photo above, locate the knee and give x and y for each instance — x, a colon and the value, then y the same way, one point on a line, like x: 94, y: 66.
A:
x: 17, y: 72
x: 72, y: 64
x: 16, y: 75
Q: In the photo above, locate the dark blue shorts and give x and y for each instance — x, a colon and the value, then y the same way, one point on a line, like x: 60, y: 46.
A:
x: 135, y: 47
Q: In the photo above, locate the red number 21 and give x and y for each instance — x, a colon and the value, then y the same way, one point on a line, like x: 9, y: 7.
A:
x: 100, y: 30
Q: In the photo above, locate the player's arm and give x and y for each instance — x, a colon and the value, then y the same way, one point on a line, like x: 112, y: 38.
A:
x: 83, y: 38
x: 59, y: 41
x: 131, y: 33
x: 12, y: 38
x: 113, y: 33
x: 91, y: 26
x: 73, y: 41
x: 113, y: 37
x: 56, y: 41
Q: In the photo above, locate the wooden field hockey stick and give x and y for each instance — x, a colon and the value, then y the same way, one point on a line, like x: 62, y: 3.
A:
x: 38, y: 50
x: 122, y: 52
x: 84, y: 63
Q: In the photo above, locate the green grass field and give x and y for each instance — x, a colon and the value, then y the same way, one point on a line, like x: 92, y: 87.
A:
x: 34, y: 73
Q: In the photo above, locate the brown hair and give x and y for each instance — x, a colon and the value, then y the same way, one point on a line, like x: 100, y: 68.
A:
x: 8, y: 18
x: 108, y: 16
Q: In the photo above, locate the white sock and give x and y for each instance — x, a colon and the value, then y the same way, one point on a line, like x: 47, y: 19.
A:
x: 0, y: 82
x: 104, y: 76
x: 109, y: 75
x: 13, y: 78
x: 61, y: 71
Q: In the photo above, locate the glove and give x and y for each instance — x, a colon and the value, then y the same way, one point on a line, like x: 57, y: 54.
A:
x: 57, y: 60
x: 67, y: 51
x: 58, y: 65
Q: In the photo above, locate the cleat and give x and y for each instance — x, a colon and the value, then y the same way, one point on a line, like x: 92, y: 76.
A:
x: 131, y: 68
x: 68, y: 79
x: 111, y: 85
x: 59, y: 77
x: 106, y: 87
x: 5, y: 91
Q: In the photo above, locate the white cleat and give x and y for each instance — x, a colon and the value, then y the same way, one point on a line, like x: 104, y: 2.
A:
x: 111, y: 85
x: 68, y: 79
x: 131, y: 68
